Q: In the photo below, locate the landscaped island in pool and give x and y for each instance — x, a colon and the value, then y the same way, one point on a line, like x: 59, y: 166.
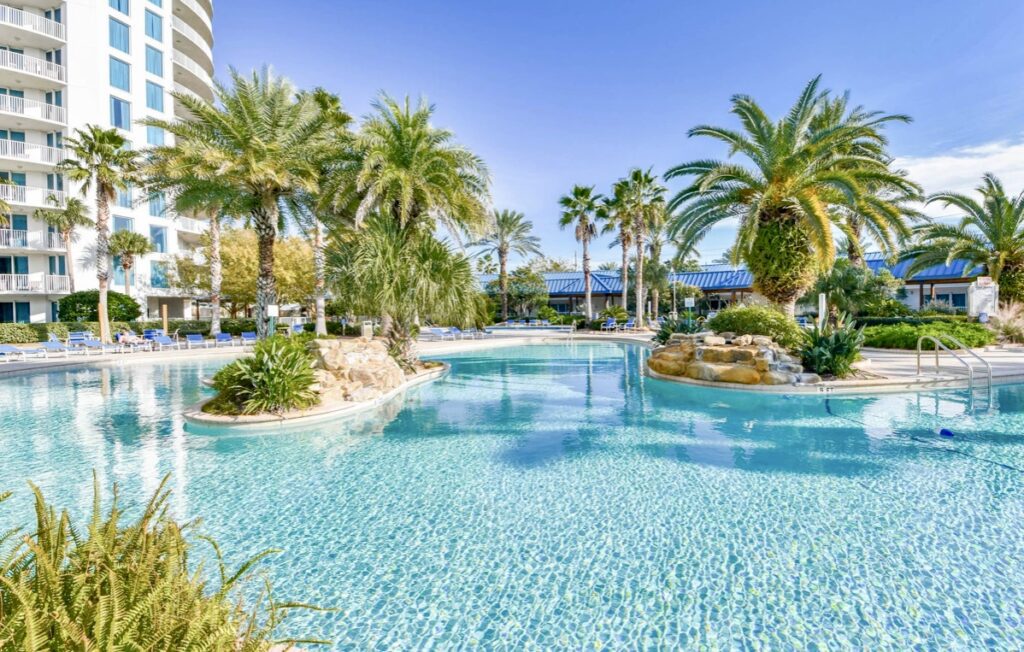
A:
x: 552, y: 497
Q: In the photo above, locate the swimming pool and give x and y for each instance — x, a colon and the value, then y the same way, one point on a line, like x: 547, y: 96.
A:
x: 551, y: 497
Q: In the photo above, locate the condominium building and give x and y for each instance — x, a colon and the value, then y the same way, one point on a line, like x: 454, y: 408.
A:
x: 64, y: 65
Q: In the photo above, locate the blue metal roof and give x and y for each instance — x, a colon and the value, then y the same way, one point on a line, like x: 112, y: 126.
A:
x: 956, y: 270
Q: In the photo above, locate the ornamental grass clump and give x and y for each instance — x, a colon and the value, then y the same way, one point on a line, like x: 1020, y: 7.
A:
x: 831, y: 350
x: 277, y: 378
x: 113, y: 585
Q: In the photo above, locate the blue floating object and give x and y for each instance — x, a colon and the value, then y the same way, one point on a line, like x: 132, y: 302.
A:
x: 946, y: 432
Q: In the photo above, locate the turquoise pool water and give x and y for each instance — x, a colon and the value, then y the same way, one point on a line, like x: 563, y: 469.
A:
x: 550, y: 497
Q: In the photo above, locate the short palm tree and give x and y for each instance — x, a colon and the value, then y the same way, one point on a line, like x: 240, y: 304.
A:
x: 580, y: 208
x: 100, y: 160
x: 789, y: 199
x: 127, y: 246
x: 64, y: 219
x: 509, y: 234
x: 261, y: 141
x: 617, y: 220
x: 991, y: 234
x: 645, y: 202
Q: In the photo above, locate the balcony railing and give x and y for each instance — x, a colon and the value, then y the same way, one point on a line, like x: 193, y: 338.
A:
x: 32, y: 109
x: 33, y: 22
x: 57, y: 284
x: 13, y: 239
x: 37, y: 283
x: 31, y: 196
x: 192, y: 35
x: 14, y: 149
x: 32, y: 66
x: 188, y: 64
x: 20, y: 239
x: 199, y: 11
x: 190, y: 225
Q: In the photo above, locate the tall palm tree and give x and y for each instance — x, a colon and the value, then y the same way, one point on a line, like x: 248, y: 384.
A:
x: 617, y: 220
x: 64, y: 219
x: 261, y: 141
x: 127, y: 246
x: 509, y: 234
x: 100, y: 160
x: 645, y: 202
x: 991, y: 233
x: 657, y: 273
x: 580, y: 208
x: 788, y: 199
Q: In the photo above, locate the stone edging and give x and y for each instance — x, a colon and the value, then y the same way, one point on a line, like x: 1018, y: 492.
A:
x: 194, y: 416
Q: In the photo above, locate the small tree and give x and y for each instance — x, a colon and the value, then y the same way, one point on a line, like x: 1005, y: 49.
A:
x: 64, y: 220
x: 84, y: 306
x: 527, y: 291
x: 128, y: 245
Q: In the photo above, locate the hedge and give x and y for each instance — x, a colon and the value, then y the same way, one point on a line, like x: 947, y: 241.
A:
x: 913, y: 320
x: 905, y: 336
x: 31, y: 333
x: 757, y: 320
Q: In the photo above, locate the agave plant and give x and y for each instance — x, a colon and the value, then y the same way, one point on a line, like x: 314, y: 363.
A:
x: 834, y: 348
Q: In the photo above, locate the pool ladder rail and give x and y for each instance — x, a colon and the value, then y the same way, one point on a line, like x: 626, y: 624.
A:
x: 962, y: 348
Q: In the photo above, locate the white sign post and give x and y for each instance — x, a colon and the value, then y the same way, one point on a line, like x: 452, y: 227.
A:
x: 822, y: 309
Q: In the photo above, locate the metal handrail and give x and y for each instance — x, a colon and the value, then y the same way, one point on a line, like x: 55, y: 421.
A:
x: 938, y: 345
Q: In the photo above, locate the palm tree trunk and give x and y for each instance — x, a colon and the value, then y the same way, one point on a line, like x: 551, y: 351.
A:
x: 586, y: 278
x: 625, y: 274
x: 788, y: 308
x: 639, y: 281
x: 102, y: 261
x: 265, y: 222
x: 127, y: 286
x: 321, y: 281
x: 216, y: 274
x: 655, y: 297
x: 68, y: 262
x: 503, y: 281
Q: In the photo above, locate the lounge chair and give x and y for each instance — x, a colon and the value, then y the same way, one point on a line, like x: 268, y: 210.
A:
x: 609, y: 325
x: 151, y: 333
x: 93, y: 344
x: 248, y: 337
x: 58, y: 347
x: 629, y: 325
x: 223, y: 339
x: 163, y: 342
x: 197, y: 340
x: 296, y: 329
x: 7, y: 352
x: 456, y: 333
x: 545, y: 322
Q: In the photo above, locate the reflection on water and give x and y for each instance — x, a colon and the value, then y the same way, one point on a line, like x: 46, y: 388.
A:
x: 553, y: 497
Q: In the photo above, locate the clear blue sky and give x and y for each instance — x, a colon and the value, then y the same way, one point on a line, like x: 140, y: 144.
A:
x: 553, y: 93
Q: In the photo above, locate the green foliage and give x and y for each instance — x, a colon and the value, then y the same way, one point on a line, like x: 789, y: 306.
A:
x: 527, y: 291
x: 111, y: 585
x: 781, y: 260
x: 833, y: 349
x: 683, y: 325
x: 547, y: 312
x: 856, y: 290
x: 885, y: 307
x: 84, y: 306
x: 1008, y: 322
x: 905, y: 336
x: 617, y: 313
x: 278, y: 377
x: 940, y: 308
x: 30, y: 333
x: 913, y: 319
x: 757, y: 320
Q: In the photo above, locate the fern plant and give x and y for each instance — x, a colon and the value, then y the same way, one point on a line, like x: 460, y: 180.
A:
x: 278, y: 377
x: 118, y: 586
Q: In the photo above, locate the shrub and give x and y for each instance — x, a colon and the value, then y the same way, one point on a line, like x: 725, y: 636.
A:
x: 84, y: 306
x: 1008, y: 322
x: 757, y: 320
x: 913, y: 318
x: 278, y: 377
x: 885, y: 307
x: 681, y: 325
x: 833, y: 349
x: 905, y: 336
x: 114, y: 585
x: 547, y: 312
x: 940, y: 308
x: 615, y: 312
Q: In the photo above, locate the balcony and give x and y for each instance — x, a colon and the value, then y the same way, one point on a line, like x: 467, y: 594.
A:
x: 192, y: 43
x: 191, y: 75
x: 30, y: 240
x: 19, y: 113
x: 26, y: 156
x: 37, y: 283
x: 22, y: 28
x: 30, y: 196
x: 197, y: 16
x: 189, y: 225
x: 14, y: 68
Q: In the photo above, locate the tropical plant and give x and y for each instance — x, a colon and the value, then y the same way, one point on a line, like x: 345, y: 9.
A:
x: 128, y: 586
x: 687, y: 324
x: 260, y: 142
x: 906, y: 335
x: 1008, y: 322
x: 617, y: 219
x: 757, y: 320
x: 510, y: 233
x: 84, y: 306
x: 788, y: 200
x: 127, y: 246
x: 547, y: 313
x: 579, y: 208
x: 64, y: 219
x: 527, y: 291
x: 854, y: 290
x: 617, y: 313
x: 655, y: 271
x: 484, y: 263
x: 990, y: 234
x: 101, y: 161
x: 276, y: 378
x: 644, y: 201
x: 832, y: 349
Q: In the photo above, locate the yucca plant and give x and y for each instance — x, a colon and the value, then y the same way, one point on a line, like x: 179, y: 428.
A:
x: 118, y: 586
x: 832, y: 349
x: 278, y: 377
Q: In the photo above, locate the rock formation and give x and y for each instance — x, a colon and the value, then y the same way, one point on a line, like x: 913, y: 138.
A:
x: 726, y: 358
x: 354, y: 369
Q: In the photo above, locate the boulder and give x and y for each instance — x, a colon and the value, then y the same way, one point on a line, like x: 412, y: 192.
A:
x: 714, y: 340
x: 761, y: 340
x: 762, y: 364
x: 667, y: 367
x: 742, y: 340
x: 727, y: 335
x: 703, y: 371
x: 777, y: 378
x: 809, y: 379
x: 716, y: 353
x: 739, y: 374
x: 744, y: 355
x: 354, y: 369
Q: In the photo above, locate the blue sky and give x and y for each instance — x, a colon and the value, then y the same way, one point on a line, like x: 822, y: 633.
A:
x: 554, y: 93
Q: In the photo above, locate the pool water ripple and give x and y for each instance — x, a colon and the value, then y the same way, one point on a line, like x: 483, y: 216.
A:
x: 550, y: 497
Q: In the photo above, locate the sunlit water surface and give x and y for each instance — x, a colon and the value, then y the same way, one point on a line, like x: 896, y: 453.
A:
x: 551, y: 497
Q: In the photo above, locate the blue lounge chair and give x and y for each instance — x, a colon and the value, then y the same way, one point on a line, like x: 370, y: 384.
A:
x: 224, y: 339
x: 248, y: 337
x: 456, y: 333
x: 8, y: 352
x: 296, y: 329
x: 151, y: 333
x: 629, y: 325
x: 56, y: 346
x: 440, y: 334
x: 163, y: 342
x: 609, y: 325
x: 93, y: 344
x: 195, y: 339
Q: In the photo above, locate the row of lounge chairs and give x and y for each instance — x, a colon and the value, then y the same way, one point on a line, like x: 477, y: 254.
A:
x: 85, y: 343
x: 527, y: 323
x: 612, y: 326
x: 439, y: 334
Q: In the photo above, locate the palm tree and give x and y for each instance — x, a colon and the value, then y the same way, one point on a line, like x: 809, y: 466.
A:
x: 128, y: 245
x: 991, y: 234
x: 509, y: 234
x: 64, y: 220
x: 100, y: 160
x: 580, y: 207
x: 616, y: 219
x: 260, y: 142
x: 657, y: 273
x: 645, y: 202
x: 788, y: 200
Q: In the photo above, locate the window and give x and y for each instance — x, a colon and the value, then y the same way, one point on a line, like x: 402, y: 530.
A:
x: 157, y: 205
x: 154, y: 96
x: 124, y: 198
x: 120, y: 74
x: 55, y: 98
x: 119, y: 36
x: 154, y: 136
x: 120, y: 113
x: 55, y: 182
x: 158, y: 3
x: 158, y: 238
x: 120, y: 5
x: 123, y: 224
x: 54, y: 311
x: 158, y: 274
x: 119, y: 273
x: 154, y: 61
x: 19, y: 312
x: 58, y: 266
x: 154, y: 26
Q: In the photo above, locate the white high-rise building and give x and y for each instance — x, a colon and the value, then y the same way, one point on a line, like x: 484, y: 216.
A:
x: 64, y: 65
